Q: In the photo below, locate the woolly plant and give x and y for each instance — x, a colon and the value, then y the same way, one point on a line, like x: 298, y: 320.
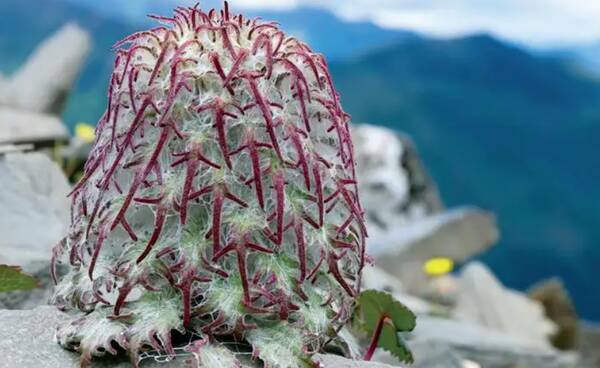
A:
x: 219, y: 199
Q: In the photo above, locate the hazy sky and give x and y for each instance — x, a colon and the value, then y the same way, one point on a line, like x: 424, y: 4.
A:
x: 537, y: 22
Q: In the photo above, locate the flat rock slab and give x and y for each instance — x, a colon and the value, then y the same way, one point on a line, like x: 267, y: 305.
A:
x: 459, y: 234
x: 483, y: 300
x: 35, y: 207
x: 12, y: 148
x: 491, y: 349
x: 27, y: 341
x: 35, y: 216
x: 19, y: 126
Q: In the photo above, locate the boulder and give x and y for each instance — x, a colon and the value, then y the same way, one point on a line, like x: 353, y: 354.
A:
x: 43, y: 83
x: 26, y: 127
x: 394, y: 186
x: 35, y: 215
x: 437, y: 356
x: 11, y: 148
x: 374, y: 277
x: 77, y: 149
x: 27, y: 341
x: 35, y: 207
x: 31, y: 298
x: 484, y: 301
x: 442, y: 289
x: 377, y: 279
x: 472, y: 343
x: 334, y: 361
x: 458, y: 234
x: 558, y: 306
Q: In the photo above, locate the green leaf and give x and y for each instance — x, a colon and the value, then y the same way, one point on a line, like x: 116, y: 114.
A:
x: 12, y: 279
x: 374, y: 305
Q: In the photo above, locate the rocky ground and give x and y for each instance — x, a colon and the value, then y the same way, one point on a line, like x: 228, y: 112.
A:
x: 27, y: 340
x: 465, y: 320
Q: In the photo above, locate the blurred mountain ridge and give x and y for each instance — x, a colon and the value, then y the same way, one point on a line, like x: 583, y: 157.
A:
x: 498, y: 126
x: 586, y: 56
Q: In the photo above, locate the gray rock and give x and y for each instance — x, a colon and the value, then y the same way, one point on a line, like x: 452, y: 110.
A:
x: 438, y: 356
x: 374, y: 277
x: 435, y: 357
x: 394, y: 186
x: 35, y: 215
x: 77, y: 150
x: 458, y: 234
x: 491, y: 349
x: 43, y: 83
x: 31, y: 298
x: 27, y: 341
x: 26, y: 127
x: 35, y: 207
x: 334, y: 361
x: 377, y: 279
x: 483, y: 300
x: 11, y: 148
x: 442, y: 289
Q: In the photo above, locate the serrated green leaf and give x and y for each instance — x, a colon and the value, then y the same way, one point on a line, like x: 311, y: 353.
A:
x: 374, y: 305
x: 12, y: 279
